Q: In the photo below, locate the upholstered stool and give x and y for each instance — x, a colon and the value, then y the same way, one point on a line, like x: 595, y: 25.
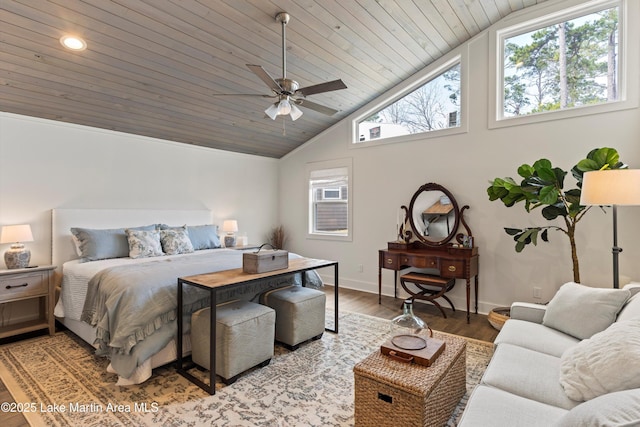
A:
x: 299, y: 314
x: 244, y: 337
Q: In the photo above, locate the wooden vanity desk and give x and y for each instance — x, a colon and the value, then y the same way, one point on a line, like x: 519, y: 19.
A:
x: 449, y: 261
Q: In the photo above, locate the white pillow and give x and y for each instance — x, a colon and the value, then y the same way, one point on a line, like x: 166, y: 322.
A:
x: 143, y: 243
x: 581, y: 311
x: 614, y: 409
x: 607, y: 362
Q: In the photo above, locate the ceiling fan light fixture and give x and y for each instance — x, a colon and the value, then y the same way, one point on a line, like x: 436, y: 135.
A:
x: 295, y: 112
x: 284, y: 106
x: 272, y: 111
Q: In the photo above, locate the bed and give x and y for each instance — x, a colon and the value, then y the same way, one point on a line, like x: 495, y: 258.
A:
x: 126, y: 307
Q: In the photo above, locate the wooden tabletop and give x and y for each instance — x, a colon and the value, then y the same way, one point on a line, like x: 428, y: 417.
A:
x: 439, y: 208
x: 236, y: 276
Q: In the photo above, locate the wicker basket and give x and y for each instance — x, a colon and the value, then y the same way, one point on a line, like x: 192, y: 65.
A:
x: 498, y: 316
x: 392, y: 393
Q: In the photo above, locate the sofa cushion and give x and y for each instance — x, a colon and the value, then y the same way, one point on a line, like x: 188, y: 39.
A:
x: 621, y: 408
x: 581, y: 311
x: 528, y: 374
x: 489, y: 406
x: 630, y: 310
x: 535, y: 336
x: 607, y: 362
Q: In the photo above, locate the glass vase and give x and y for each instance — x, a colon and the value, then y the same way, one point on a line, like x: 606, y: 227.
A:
x: 409, y: 326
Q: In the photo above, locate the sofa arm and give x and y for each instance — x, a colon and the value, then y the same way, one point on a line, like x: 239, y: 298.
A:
x: 528, y: 311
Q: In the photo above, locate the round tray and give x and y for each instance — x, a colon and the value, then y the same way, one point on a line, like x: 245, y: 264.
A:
x: 409, y: 342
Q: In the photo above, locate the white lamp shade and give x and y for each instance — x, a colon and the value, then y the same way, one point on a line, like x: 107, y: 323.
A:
x: 295, y: 112
x: 611, y: 187
x: 272, y: 111
x: 230, y: 226
x: 284, y: 107
x: 16, y: 234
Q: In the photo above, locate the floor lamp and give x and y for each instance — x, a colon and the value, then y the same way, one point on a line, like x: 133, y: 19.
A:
x: 613, y: 187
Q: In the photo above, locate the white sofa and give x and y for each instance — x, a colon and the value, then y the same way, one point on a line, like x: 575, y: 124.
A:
x: 574, y: 362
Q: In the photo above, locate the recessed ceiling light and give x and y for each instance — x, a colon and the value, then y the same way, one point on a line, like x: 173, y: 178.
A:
x: 73, y: 43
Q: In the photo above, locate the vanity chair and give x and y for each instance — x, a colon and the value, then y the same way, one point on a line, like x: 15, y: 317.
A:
x: 432, y: 254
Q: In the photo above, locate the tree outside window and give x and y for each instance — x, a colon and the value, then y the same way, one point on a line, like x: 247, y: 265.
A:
x: 433, y: 106
x: 569, y: 64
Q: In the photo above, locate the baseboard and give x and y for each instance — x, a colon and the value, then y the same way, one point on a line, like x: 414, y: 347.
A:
x: 460, y: 303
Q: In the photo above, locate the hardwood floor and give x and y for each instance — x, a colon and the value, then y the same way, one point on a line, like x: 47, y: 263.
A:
x: 359, y: 302
x: 455, y: 323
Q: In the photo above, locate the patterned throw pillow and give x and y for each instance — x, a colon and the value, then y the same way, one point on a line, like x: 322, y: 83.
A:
x: 143, y: 243
x: 176, y: 241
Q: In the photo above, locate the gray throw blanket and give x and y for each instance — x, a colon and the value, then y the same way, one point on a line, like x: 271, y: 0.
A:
x: 132, y: 304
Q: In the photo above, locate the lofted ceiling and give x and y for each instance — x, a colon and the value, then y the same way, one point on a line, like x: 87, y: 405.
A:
x: 158, y: 67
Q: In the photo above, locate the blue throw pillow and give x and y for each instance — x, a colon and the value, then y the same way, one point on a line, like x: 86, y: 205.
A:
x: 95, y: 244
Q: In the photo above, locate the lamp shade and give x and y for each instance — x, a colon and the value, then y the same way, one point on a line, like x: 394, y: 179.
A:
x: 230, y: 226
x: 16, y: 234
x: 611, y: 187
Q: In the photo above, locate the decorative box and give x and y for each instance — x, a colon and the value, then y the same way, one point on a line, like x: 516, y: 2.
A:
x: 392, y: 394
x: 264, y: 260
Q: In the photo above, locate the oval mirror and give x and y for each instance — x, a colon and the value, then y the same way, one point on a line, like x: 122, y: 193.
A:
x: 434, y: 215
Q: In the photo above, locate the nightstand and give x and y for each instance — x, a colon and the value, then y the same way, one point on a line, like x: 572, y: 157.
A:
x: 28, y: 284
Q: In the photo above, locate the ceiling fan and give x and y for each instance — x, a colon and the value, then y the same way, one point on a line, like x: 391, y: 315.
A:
x: 289, y: 92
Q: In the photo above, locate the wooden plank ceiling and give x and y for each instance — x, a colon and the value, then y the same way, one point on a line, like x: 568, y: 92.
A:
x: 157, y: 67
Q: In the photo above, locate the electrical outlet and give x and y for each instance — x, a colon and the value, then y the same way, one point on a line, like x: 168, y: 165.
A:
x: 360, y: 268
x: 537, y: 292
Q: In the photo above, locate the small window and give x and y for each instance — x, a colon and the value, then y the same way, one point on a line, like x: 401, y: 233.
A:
x: 329, y: 208
x: 433, y: 106
x: 331, y: 194
x: 567, y: 61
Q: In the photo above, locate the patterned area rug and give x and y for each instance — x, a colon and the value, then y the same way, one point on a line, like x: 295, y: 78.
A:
x: 58, y: 381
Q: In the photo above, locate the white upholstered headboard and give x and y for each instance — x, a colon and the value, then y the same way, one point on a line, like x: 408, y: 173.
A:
x: 62, y: 248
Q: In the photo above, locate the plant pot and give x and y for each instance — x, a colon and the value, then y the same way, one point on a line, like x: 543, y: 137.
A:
x: 498, y: 316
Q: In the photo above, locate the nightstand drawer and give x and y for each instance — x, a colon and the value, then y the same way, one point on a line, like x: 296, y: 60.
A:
x: 24, y: 285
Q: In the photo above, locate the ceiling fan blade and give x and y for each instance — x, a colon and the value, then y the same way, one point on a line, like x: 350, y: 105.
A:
x: 315, y: 107
x: 243, y: 94
x: 322, y: 87
x: 265, y: 77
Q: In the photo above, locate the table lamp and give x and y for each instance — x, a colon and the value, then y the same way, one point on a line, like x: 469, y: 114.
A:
x: 613, y: 187
x: 230, y: 226
x: 17, y: 256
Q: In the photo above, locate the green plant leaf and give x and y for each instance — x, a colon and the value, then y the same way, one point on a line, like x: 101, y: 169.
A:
x: 542, y: 163
x: 547, y: 175
x: 553, y: 211
x: 573, y: 195
x: 525, y: 171
x: 548, y: 195
x: 520, y: 246
x: 512, y: 231
x: 586, y: 165
x: 544, y: 235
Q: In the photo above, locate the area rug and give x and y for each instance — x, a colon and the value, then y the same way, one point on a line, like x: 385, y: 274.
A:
x: 58, y: 381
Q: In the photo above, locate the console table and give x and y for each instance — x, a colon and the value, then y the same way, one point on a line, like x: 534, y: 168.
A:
x: 451, y: 262
x: 226, y: 279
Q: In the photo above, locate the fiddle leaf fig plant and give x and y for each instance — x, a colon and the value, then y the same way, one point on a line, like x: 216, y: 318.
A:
x: 542, y: 186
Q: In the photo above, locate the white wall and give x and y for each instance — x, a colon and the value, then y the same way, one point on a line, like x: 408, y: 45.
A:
x: 386, y: 176
x: 46, y: 165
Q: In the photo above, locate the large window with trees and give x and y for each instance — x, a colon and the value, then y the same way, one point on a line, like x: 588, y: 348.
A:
x: 430, y: 104
x: 568, y: 60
